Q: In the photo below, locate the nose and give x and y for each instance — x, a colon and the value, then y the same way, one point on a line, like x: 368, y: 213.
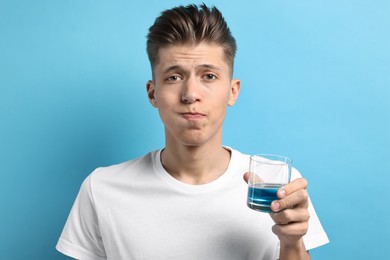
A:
x: 191, y: 91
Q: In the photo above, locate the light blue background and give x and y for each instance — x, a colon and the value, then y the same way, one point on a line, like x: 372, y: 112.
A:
x: 315, y: 86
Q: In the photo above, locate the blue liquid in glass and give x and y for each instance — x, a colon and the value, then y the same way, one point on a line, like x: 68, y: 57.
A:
x: 261, y: 195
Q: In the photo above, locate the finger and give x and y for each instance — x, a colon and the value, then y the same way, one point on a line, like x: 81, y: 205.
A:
x: 252, y: 178
x: 291, y: 187
x: 296, y: 229
x: 290, y: 215
x: 246, y: 177
x: 299, y: 198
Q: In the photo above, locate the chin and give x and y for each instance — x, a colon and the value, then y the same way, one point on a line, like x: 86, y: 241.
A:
x: 194, y: 143
x: 196, y: 140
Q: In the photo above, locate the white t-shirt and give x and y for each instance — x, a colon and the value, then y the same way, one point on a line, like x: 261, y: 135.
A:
x: 136, y: 210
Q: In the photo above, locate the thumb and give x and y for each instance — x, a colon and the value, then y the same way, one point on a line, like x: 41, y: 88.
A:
x: 246, y: 177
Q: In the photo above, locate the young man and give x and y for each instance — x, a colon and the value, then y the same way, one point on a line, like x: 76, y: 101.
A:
x: 188, y: 200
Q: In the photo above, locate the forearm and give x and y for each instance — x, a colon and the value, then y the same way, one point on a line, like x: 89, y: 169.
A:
x: 294, y: 252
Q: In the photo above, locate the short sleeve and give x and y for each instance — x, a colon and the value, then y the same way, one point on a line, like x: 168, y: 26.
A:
x: 81, y: 238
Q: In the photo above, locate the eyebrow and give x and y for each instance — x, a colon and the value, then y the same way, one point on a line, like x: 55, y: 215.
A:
x: 170, y: 68
x: 209, y: 66
x: 202, y: 66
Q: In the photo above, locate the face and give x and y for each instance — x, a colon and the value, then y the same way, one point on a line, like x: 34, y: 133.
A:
x: 192, y: 89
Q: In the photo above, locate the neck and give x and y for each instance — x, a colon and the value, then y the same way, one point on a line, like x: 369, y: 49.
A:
x: 195, y: 165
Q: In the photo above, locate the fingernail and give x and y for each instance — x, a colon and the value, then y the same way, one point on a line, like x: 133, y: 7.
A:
x: 282, y: 193
x: 275, y: 205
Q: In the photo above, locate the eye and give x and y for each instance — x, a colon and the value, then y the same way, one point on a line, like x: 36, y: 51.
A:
x: 173, y: 78
x: 209, y: 76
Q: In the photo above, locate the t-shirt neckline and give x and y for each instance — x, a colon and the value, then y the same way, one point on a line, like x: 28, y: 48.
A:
x: 191, y: 188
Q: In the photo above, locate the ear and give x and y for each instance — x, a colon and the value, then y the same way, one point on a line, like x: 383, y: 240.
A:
x: 234, y: 91
x: 150, y: 90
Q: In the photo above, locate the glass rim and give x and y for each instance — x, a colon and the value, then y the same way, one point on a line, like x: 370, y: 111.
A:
x: 271, y: 157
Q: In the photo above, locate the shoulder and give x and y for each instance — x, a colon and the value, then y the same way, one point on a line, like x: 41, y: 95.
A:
x: 239, y: 162
x: 125, y: 169
x: 237, y: 156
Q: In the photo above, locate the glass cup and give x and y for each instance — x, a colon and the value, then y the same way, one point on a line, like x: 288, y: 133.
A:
x: 267, y: 173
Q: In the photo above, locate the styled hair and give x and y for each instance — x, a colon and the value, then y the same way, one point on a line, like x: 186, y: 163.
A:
x: 190, y: 25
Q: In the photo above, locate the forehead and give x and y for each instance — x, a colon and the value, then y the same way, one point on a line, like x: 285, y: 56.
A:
x: 188, y: 55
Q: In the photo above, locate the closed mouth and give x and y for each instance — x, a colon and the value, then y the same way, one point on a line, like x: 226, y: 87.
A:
x: 193, y: 115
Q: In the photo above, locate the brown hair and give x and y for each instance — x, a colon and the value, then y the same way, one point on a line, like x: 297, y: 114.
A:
x: 190, y: 24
